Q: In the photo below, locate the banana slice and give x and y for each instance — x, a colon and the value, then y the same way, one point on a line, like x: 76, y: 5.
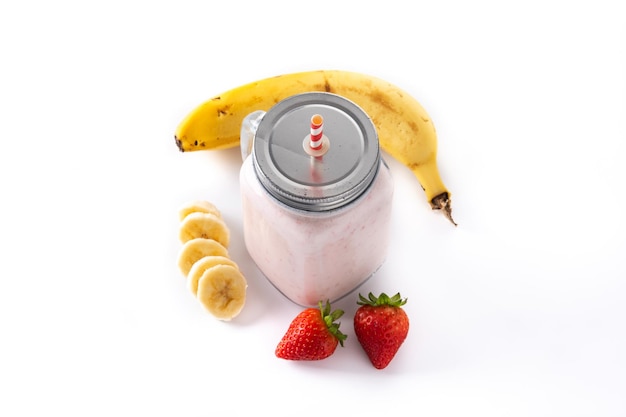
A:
x: 196, y: 249
x: 222, y: 291
x: 205, y: 225
x: 201, y: 265
x: 198, y: 206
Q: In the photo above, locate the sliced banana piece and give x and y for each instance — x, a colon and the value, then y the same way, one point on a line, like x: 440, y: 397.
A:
x: 222, y: 291
x: 205, y: 225
x: 201, y: 265
x: 198, y: 206
x: 196, y: 249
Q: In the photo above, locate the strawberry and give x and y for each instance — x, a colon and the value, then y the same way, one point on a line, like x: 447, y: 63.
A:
x: 312, y: 335
x: 381, y: 326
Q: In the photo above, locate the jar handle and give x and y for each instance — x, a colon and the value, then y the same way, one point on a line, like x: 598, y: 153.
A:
x: 249, y: 126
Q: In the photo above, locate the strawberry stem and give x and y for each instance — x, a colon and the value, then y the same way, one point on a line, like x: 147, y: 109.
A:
x: 329, y: 318
x: 382, y: 300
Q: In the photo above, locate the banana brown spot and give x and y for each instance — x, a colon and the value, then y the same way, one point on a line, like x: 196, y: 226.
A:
x: 381, y: 99
x: 223, y: 111
x: 326, y: 87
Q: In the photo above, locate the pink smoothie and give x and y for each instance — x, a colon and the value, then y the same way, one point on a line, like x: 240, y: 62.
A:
x: 313, y: 256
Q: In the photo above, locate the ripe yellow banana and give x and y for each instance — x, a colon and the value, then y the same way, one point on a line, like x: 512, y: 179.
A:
x: 405, y: 130
x: 201, y: 265
x: 222, y: 291
x: 198, y: 206
x: 196, y: 249
x: 206, y: 225
x: 212, y: 276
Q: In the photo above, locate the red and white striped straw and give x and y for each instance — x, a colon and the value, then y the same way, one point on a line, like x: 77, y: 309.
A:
x: 317, y: 134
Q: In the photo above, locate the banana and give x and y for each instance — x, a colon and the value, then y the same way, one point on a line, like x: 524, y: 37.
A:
x: 201, y: 265
x: 222, y: 291
x: 205, y: 225
x: 196, y: 249
x: 198, y: 206
x: 212, y: 276
x: 405, y: 130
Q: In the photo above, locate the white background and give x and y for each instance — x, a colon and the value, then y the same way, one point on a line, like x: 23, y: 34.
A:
x: 519, y: 311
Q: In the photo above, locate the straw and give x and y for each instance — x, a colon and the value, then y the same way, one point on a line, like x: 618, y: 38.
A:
x: 317, y: 132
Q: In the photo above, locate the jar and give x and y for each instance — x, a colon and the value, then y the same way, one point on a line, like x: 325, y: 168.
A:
x: 316, y: 219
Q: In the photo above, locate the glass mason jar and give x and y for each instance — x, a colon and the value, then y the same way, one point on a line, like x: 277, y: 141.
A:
x: 316, y: 199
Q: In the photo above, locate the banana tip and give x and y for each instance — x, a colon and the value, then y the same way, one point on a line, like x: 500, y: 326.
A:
x: 444, y: 203
x: 179, y: 143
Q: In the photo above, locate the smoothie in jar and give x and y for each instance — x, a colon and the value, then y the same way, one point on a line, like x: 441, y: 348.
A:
x: 316, y: 221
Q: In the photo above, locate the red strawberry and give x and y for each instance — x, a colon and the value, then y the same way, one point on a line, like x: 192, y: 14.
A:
x: 381, y: 326
x: 312, y: 335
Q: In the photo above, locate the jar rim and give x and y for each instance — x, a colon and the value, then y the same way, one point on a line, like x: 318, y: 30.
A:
x: 306, y: 182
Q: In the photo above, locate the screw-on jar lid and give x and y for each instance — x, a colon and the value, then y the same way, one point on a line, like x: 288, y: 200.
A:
x: 316, y: 183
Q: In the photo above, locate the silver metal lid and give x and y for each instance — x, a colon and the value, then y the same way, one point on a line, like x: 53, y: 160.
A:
x: 306, y: 182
